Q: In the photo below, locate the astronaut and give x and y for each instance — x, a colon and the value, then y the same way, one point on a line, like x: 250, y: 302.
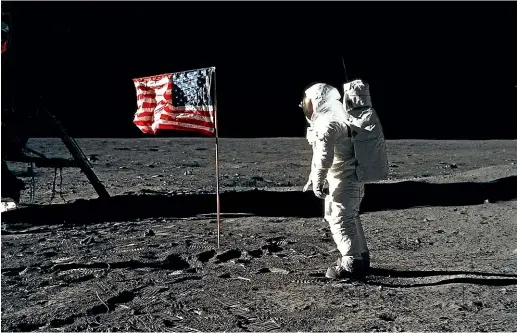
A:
x: 334, y: 161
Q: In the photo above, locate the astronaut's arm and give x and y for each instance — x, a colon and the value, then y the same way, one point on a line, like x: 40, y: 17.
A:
x: 323, y: 154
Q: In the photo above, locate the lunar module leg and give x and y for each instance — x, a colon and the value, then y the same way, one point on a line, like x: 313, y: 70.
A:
x: 81, y: 160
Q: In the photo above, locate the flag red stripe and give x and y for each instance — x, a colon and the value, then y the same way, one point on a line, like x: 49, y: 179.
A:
x: 187, y: 121
x: 145, y: 114
x: 150, y: 86
x: 146, y: 95
x: 142, y: 123
x: 148, y: 105
x: 180, y: 128
x: 183, y: 124
x: 144, y: 119
x: 149, y: 90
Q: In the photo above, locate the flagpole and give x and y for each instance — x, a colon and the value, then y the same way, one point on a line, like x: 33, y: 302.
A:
x: 217, y: 162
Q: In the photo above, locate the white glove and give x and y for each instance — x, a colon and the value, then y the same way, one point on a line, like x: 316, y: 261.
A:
x: 318, y: 192
x: 306, y: 187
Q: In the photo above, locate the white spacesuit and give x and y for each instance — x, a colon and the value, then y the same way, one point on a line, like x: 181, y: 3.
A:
x: 333, y: 160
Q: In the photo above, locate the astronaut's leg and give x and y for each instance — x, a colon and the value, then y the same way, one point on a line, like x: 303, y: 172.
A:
x: 363, y: 245
x: 343, y: 221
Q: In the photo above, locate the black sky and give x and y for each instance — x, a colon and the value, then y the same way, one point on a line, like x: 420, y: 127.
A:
x: 437, y: 70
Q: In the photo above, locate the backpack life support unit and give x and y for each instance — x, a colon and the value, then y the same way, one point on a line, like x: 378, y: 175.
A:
x: 365, y: 130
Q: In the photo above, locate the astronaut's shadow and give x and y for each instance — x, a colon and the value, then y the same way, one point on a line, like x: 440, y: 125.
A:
x: 391, y: 278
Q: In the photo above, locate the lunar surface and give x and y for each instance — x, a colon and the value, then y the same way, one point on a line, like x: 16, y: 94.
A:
x: 442, y: 233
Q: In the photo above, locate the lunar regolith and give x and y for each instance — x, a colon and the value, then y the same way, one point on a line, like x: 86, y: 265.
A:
x: 442, y: 234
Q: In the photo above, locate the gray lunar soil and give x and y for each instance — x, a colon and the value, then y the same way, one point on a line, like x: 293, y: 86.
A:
x: 435, y: 267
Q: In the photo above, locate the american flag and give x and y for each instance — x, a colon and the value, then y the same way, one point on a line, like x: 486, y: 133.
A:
x: 177, y: 101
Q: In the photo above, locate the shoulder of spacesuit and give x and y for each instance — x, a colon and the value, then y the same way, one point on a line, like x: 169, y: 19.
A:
x: 328, y: 125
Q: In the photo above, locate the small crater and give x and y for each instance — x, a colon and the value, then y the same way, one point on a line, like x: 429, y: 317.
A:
x: 49, y: 254
x: 149, y: 233
x: 386, y: 317
x: 62, y: 322
x: 272, y: 248
x: 205, y: 256
x: 27, y: 327
x: 123, y: 297
x: 229, y: 255
x: 171, y: 323
x: 175, y: 262
x: 97, y: 309
x: 256, y: 253
x: 77, y: 278
x: 263, y: 270
x: 44, y: 283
